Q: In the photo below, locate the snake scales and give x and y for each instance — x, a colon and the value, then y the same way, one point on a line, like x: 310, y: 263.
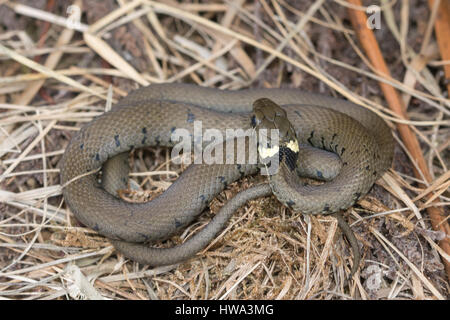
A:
x: 148, y: 116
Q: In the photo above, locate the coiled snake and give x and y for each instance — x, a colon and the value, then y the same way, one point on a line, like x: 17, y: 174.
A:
x: 148, y: 117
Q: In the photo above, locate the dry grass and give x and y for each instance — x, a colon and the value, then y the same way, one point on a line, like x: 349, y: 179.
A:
x: 53, y: 81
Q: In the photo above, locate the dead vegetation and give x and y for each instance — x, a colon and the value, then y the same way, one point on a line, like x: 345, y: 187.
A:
x: 57, y: 74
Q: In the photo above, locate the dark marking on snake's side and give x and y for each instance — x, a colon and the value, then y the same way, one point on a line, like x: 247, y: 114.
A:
x: 203, y: 198
x: 311, y: 135
x: 116, y: 138
x: 144, y: 139
x: 298, y: 113
x: 326, y: 208
x: 82, y: 146
x: 335, y: 148
x: 144, y: 130
x: 323, y: 142
x: 144, y: 236
x: 253, y: 121
x: 96, y: 227
x: 97, y: 157
x: 319, y: 174
x: 342, y: 151
x: 190, y: 116
x: 172, y: 130
x: 375, y: 173
x: 178, y: 224
x: 241, y: 172
x: 367, y: 168
x: 365, y: 148
x: 345, y: 163
x: 334, y: 136
x: 222, y: 180
x: 290, y: 203
x: 357, y: 195
x: 158, y: 140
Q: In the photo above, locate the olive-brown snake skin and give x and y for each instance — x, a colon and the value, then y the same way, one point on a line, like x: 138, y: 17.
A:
x: 148, y: 116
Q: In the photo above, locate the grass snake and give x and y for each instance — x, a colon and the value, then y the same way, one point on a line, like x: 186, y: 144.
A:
x: 148, y: 116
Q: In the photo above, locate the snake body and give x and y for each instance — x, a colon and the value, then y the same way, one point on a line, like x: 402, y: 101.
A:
x: 148, y: 116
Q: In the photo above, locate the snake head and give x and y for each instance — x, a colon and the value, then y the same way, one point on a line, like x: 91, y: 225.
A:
x: 270, y: 116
